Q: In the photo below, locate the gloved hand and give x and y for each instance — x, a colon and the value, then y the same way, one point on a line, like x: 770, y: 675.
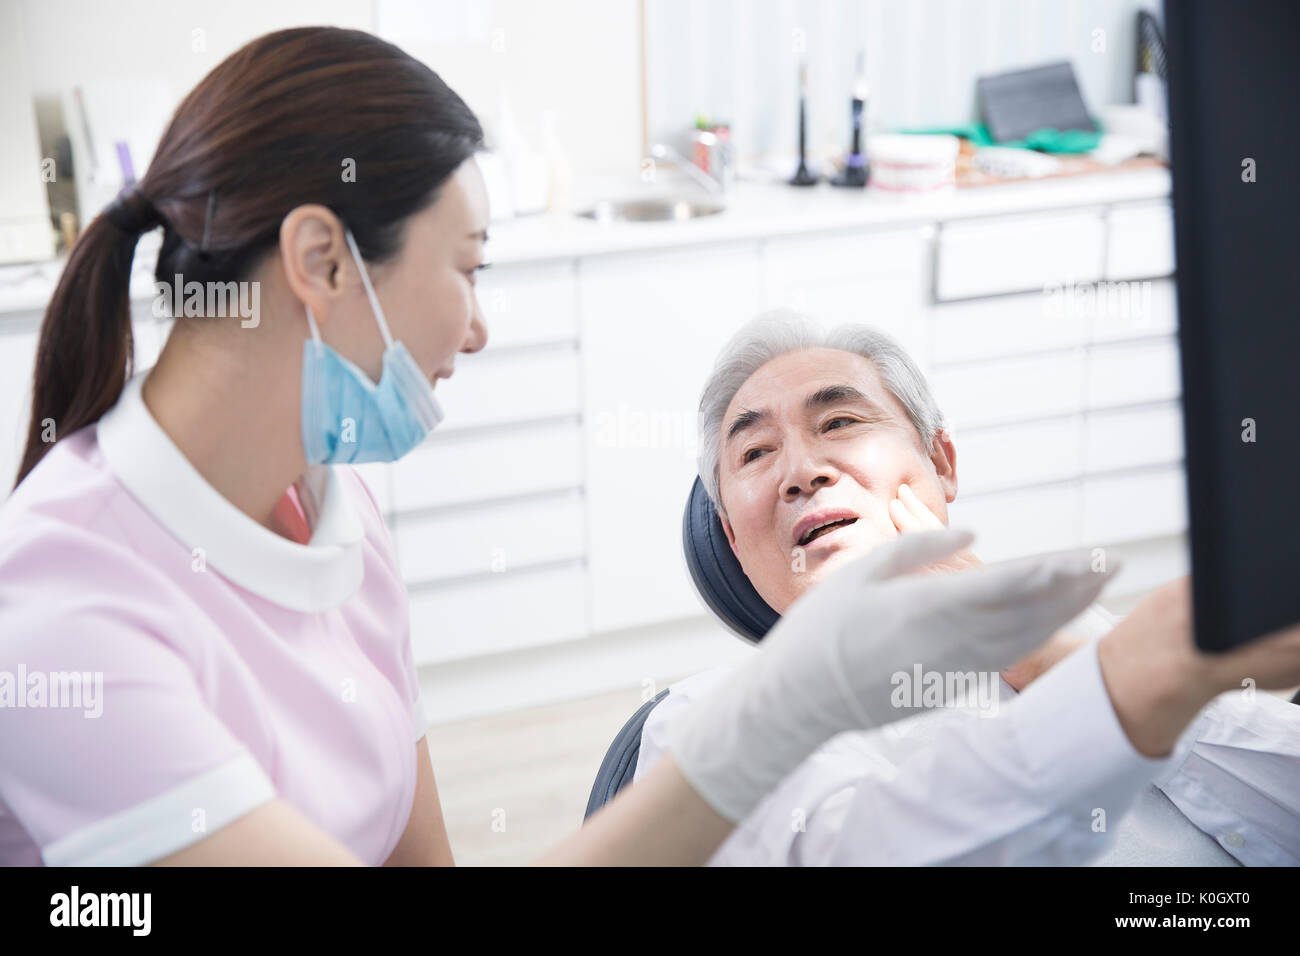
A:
x: 827, y: 666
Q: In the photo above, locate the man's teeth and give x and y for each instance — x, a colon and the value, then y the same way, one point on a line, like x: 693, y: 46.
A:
x: 822, y: 529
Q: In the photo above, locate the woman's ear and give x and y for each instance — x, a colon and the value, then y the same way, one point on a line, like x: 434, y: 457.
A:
x: 943, y: 455
x: 313, y: 252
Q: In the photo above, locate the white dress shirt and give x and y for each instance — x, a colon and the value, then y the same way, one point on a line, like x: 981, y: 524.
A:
x: 1049, y: 779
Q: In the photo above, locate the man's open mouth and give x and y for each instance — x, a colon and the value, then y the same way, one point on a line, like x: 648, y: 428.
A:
x: 824, y: 528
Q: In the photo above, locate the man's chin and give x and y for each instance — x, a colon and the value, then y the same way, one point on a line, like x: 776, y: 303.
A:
x: 825, y: 561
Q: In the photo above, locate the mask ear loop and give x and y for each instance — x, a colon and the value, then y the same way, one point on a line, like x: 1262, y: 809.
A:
x: 370, y: 290
x: 311, y: 321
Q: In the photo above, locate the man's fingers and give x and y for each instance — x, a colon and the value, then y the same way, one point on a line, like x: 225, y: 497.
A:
x: 917, y: 508
x: 904, y: 520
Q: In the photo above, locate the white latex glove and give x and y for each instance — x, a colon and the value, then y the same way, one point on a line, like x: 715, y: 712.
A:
x: 826, y: 667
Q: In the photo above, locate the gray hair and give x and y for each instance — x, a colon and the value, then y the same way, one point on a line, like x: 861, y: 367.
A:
x: 781, y: 331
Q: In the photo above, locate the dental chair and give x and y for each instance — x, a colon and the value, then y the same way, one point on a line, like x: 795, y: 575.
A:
x: 726, y: 591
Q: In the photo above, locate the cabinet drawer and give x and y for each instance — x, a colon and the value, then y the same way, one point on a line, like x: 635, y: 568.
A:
x: 524, y: 304
x: 874, y: 278
x: 473, y: 466
x: 492, y: 389
x: 1018, y: 254
x: 490, y: 538
x: 1127, y: 507
x: 1132, y: 373
x: 1018, y: 523
x: 1140, y: 242
x: 1133, y: 437
x: 1134, y: 309
x: 991, y: 459
x: 503, y: 612
x: 993, y: 328
x: 1016, y: 389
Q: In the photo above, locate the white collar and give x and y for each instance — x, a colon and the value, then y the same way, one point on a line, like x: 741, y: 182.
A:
x: 312, y: 577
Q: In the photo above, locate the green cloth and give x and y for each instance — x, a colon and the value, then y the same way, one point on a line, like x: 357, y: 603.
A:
x: 1047, y: 140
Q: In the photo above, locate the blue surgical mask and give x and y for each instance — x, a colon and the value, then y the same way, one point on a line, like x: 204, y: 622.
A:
x: 346, y: 417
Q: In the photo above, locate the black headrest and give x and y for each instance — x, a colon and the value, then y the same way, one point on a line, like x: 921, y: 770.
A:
x: 716, y: 572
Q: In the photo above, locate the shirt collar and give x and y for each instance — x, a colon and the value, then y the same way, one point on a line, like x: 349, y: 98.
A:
x: 313, y: 577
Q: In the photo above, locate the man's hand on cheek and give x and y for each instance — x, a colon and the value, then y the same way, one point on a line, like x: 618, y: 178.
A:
x: 910, y: 513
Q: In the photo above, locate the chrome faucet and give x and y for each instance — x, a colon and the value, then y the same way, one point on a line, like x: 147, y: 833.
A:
x: 716, y: 185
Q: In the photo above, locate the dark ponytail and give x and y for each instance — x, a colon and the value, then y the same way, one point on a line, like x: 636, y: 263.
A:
x: 275, y: 125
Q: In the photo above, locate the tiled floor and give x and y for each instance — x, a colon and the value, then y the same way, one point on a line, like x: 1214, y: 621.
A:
x: 514, y: 785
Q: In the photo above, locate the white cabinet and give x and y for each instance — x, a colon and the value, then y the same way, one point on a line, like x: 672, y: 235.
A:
x: 1010, y: 390
x: 1018, y: 253
x: 652, y: 325
x: 877, y: 278
x: 1025, y: 521
x: 1133, y: 506
x: 1004, y: 326
x: 1014, y: 456
x: 499, y: 612
x: 529, y: 304
x: 492, y: 538
x: 1140, y: 241
x: 513, y: 385
x: 1130, y: 373
x: 483, y: 464
x: 1133, y: 437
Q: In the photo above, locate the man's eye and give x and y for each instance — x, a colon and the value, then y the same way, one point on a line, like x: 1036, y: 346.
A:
x: 841, y: 418
x: 751, y: 454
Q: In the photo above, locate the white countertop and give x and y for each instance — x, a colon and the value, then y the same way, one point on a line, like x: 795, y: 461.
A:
x: 753, y: 212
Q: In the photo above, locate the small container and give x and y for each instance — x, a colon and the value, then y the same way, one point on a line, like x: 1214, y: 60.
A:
x: 711, y: 151
x: 905, y: 165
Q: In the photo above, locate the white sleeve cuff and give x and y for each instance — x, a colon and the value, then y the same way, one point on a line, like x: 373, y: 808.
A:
x: 164, y: 824
x: 1070, y: 736
x: 421, y: 718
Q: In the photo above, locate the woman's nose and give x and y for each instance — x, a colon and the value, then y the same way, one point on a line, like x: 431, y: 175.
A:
x: 477, y: 336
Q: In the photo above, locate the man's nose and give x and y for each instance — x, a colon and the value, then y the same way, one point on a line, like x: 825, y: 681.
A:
x: 807, y: 474
x: 476, y: 337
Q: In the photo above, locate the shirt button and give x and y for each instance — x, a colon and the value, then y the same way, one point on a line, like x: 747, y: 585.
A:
x: 1234, y: 839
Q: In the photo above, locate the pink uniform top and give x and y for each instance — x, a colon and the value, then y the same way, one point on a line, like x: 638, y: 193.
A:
x: 167, y: 664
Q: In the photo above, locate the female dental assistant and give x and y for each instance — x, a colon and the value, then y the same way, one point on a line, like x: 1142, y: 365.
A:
x: 204, y: 640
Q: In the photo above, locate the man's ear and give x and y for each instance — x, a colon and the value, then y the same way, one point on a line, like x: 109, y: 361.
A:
x: 731, y: 535
x: 943, y: 455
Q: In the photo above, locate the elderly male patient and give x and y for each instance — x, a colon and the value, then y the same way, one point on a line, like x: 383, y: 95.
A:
x: 1127, y: 745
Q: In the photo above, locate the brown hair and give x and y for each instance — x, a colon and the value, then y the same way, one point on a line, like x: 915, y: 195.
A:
x: 269, y: 129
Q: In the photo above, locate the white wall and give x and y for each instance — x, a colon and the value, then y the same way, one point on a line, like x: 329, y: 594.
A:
x: 735, y: 60
x: 580, y: 58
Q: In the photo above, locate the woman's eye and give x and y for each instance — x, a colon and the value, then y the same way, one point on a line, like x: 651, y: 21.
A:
x: 478, y: 268
x: 751, y: 455
x: 830, y: 424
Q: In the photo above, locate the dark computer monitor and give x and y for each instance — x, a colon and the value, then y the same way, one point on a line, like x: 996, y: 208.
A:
x: 1234, y: 80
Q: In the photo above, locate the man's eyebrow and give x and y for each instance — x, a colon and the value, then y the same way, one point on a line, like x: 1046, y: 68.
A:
x: 746, y: 419
x: 833, y: 394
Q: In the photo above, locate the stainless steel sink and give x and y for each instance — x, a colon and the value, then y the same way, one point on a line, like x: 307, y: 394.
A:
x: 652, y: 210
